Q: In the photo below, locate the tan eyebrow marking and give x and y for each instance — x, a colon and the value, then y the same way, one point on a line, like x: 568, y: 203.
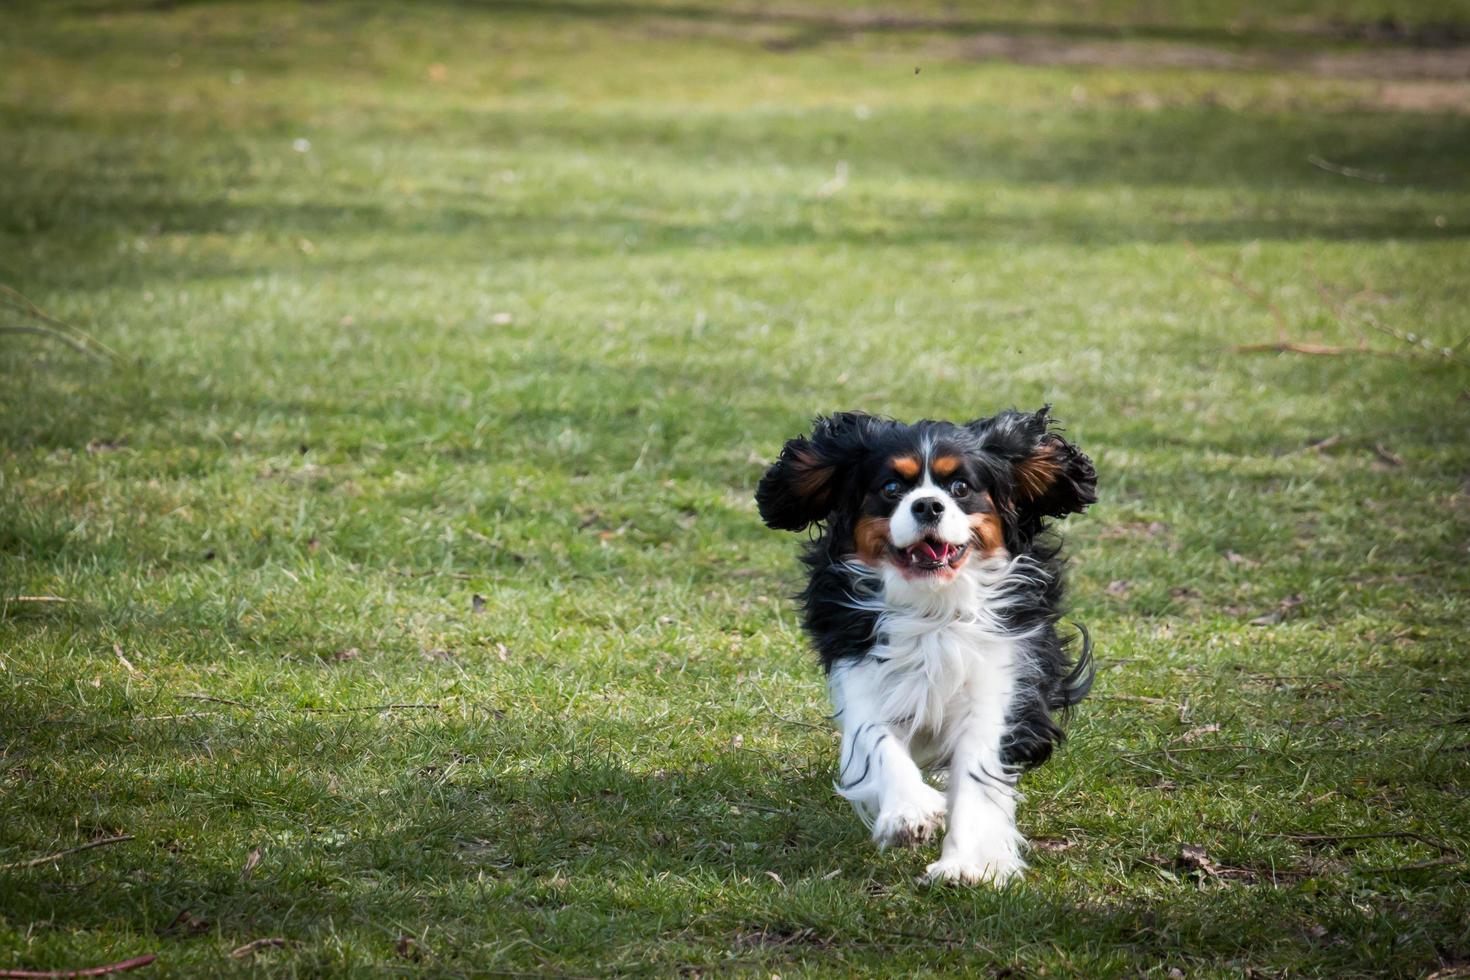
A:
x: 944, y: 466
x: 906, y: 466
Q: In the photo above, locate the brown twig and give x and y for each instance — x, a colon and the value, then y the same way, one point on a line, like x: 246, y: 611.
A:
x: 1394, y: 869
x: 428, y: 706
x: 1246, y: 288
x: 212, y: 699
x: 1306, y: 838
x: 34, y: 862
x: 1343, y: 312
x: 1320, y: 350
x: 1172, y: 749
x: 79, y: 339
x: 49, y: 334
x: 239, y: 952
x: 1342, y: 171
x: 90, y: 971
x: 36, y: 598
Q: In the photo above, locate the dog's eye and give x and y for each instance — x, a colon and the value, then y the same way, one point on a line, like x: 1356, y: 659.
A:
x: 959, y: 489
x: 892, y: 489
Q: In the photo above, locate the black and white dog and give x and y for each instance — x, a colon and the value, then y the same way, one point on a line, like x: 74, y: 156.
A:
x: 933, y: 599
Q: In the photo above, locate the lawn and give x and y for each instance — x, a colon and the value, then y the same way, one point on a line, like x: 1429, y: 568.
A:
x: 392, y: 581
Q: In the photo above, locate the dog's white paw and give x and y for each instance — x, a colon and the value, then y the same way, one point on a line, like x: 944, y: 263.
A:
x: 910, y: 822
x: 994, y: 869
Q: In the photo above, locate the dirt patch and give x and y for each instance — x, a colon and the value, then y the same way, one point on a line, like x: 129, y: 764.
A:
x: 1444, y: 64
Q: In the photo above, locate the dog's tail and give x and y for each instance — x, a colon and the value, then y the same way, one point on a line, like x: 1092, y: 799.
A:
x: 1078, y: 681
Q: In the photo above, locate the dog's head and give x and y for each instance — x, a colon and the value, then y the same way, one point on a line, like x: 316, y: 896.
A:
x: 925, y: 498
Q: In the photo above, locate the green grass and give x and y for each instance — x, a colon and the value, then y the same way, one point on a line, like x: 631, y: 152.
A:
x: 523, y: 317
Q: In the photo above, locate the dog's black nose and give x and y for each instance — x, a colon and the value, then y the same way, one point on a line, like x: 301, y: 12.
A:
x: 927, y: 510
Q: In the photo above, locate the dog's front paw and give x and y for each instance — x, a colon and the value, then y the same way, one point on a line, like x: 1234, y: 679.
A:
x: 995, y: 870
x: 910, y: 822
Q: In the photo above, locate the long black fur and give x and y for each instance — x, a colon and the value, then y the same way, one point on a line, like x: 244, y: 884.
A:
x: 821, y: 481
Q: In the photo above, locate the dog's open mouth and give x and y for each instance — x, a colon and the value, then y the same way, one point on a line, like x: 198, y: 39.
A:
x: 931, y: 555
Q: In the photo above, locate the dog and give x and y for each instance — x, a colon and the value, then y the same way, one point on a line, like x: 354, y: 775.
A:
x: 933, y: 594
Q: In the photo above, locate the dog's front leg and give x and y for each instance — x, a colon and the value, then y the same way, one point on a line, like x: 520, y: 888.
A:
x: 982, y: 843
x: 876, y: 773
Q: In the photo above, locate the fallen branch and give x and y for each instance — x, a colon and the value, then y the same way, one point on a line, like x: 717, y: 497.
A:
x: 36, y: 598
x: 33, y: 862
x: 52, y: 327
x: 1321, y: 350
x: 90, y: 971
x: 49, y: 334
x: 1343, y: 312
x: 1244, y: 287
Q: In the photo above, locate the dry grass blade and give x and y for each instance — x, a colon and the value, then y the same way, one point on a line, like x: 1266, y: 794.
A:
x: 100, y: 842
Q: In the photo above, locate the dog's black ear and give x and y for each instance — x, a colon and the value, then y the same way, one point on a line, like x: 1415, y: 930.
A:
x: 1050, y: 477
x: 804, y: 485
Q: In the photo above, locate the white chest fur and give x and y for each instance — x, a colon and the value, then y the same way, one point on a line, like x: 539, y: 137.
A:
x: 943, y: 654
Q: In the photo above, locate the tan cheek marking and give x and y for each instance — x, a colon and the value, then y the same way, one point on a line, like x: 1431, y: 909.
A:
x: 870, y: 539
x: 905, y: 466
x: 944, y: 467
x: 989, y: 534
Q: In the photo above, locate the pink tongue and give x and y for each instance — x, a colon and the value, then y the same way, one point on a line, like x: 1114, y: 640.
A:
x: 934, y: 555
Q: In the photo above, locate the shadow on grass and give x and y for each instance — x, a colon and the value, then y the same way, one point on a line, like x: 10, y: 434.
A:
x: 814, y: 24
x: 745, y: 857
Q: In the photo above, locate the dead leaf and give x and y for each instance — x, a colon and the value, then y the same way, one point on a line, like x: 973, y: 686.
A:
x: 1280, y: 614
x: 1192, y: 857
x: 407, y: 948
x: 438, y: 654
x: 736, y: 741
x: 1235, y: 558
x: 1322, y: 445
x: 502, y: 652
x: 186, y: 923
x: 477, y: 604
x: 1053, y: 845
x: 776, y: 878
x: 501, y: 319
x: 1118, y: 587
x: 117, y: 649
x: 251, y: 860
x: 105, y: 445
x: 437, y: 72
x: 1195, y: 733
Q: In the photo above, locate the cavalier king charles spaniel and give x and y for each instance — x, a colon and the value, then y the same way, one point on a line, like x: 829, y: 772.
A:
x: 933, y: 596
